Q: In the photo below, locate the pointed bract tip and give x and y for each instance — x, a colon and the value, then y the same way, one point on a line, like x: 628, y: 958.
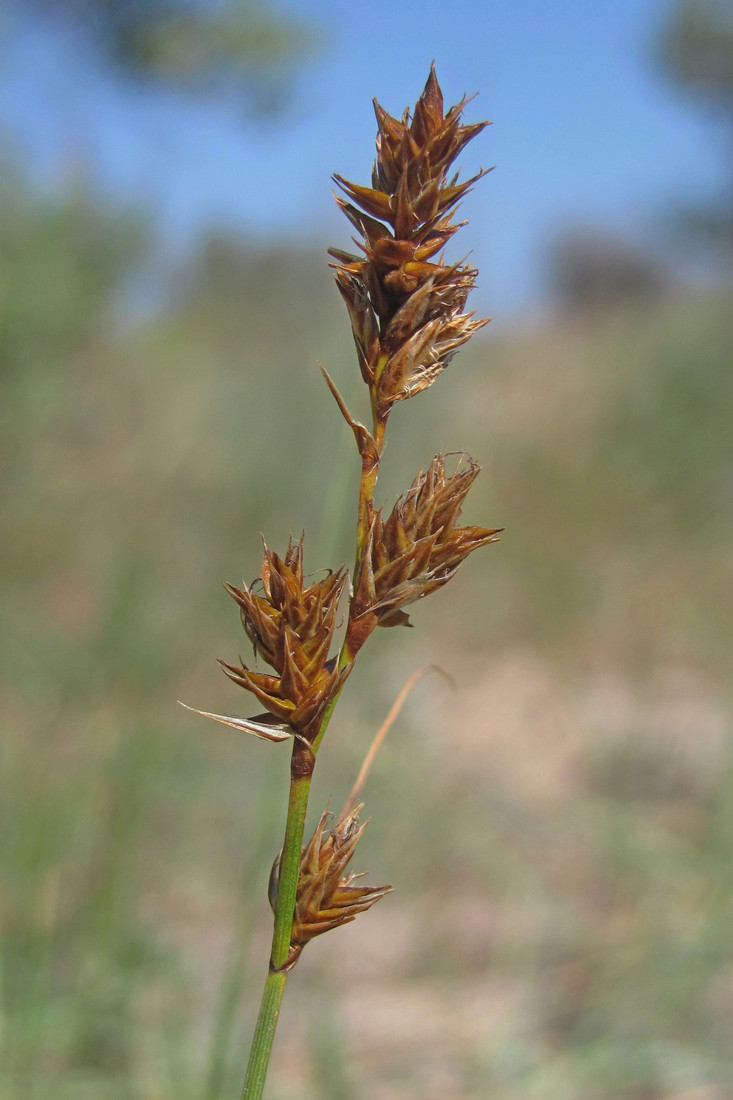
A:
x: 262, y: 726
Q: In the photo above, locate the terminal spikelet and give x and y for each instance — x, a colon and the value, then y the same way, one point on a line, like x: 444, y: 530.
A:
x: 405, y: 303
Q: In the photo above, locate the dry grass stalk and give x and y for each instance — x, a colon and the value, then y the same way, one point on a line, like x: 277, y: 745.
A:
x: 407, y: 310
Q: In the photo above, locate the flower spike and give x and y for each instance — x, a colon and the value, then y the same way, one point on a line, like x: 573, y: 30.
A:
x: 406, y: 307
x: 416, y: 550
x: 326, y: 897
x: 291, y: 627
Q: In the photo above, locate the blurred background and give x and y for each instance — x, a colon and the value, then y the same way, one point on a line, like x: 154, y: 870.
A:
x: 559, y: 828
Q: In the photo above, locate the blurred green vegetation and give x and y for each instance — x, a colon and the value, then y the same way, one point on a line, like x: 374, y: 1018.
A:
x: 695, y: 52
x: 243, y: 51
x: 559, y: 829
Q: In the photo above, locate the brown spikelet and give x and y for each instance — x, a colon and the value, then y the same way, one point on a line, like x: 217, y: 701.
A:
x: 291, y: 627
x: 326, y: 897
x: 417, y: 549
x: 407, y: 306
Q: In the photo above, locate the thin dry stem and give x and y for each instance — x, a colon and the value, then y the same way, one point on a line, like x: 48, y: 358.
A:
x: 386, y: 726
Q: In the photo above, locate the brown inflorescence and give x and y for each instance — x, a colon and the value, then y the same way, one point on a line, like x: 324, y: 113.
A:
x: 291, y: 627
x: 406, y: 305
x: 325, y: 897
x: 418, y: 548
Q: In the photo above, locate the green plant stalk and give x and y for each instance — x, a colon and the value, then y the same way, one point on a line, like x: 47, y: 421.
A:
x: 272, y: 995
x: 259, y: 1057
x: 235, y: 972
x: 301, y: 773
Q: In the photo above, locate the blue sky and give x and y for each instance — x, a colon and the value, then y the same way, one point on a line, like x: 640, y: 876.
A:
x: 587, y: 132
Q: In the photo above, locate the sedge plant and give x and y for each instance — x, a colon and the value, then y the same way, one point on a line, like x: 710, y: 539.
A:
x: 406, y: 305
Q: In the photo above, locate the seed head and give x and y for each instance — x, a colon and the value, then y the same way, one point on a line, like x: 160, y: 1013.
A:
x: 406, y: 305
x: 326, y: 897
x: 418, y: 548
x: 291, y: 627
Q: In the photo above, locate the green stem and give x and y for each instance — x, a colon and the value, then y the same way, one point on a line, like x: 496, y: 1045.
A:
x: 301, y: 771
x: 259, y: 1057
